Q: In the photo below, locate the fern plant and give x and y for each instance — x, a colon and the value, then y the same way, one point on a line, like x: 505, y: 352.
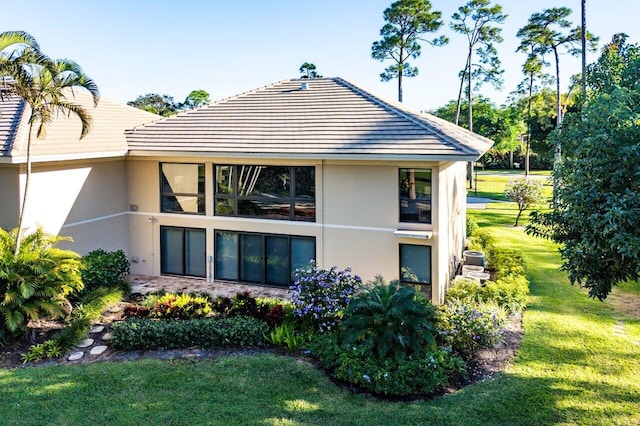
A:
x: 390, y: 320
x: 35, y: 281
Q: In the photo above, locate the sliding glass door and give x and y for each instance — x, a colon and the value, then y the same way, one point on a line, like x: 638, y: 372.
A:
x: 261, y: 258
x: 183, y: 251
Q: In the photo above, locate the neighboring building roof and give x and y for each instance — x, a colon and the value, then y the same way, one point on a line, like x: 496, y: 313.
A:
x: 62, y: 140
x: 332, y: 118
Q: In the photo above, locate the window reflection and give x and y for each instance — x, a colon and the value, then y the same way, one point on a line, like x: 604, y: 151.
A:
x: 415, y: 195
x: 269, y: 192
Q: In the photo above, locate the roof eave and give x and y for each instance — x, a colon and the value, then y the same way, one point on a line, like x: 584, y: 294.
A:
x: 63, y: 157
x: 307, y: 156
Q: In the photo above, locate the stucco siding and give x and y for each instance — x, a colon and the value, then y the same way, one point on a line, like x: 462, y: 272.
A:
x: 10, y: 196
x: 357, y: 212
x: 451, y: 223
x: 108, y: 233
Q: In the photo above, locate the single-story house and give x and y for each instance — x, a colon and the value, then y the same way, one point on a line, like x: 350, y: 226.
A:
x: 251, y: 187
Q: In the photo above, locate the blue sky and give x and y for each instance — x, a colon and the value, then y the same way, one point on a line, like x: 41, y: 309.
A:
x: 227, y: 47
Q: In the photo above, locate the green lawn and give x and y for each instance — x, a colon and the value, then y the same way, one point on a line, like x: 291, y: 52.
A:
x: 572, y: 368
x: 491, y: 185
x: 631, y: 287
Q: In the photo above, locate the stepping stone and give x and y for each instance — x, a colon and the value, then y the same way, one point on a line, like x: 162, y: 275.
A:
x: 107, y: 336
x: 97, y: 350
x: 96, y: 329
x: 85, y: 343
x: 75, y: 356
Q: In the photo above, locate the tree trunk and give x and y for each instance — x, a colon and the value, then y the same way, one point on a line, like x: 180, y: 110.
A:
x: 26, y: 191
x: 527, y: 151
x: 463, y: 77
x: 584, y: 47
x: 400, y: 86
x: 558, y: 149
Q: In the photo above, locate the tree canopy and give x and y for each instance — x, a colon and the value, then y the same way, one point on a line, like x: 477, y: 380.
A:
x: 475, y: 21
x: 503, y: 125
x: 195, y: 99
x: 406, y: 22
x: 308, y: 70
x: 597, y: 214
x: 163, y: 105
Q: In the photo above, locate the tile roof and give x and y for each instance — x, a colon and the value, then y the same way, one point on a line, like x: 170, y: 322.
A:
x: 332, y: 118
x: 11, y: 111
x: 62, y: 140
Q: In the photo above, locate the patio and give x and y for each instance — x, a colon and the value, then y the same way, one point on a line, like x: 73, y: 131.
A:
x: 144, y: 284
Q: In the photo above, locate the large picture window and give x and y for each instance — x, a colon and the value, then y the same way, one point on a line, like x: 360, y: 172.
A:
x: 261, y: 258
x: 415, y: 195
x: 269, y: 192
x: 182, y: 251
x: 182, y: 188
x: 415, y: 267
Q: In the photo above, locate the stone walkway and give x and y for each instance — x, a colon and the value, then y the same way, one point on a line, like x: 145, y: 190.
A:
x: 96, y: 343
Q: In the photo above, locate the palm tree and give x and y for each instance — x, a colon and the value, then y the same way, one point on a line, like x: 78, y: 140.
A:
x: 48, y: 87
x: 13, y: 50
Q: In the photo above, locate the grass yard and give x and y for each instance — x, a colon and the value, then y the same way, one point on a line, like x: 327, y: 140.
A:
x: 491, y: 184
x: 575, y: 366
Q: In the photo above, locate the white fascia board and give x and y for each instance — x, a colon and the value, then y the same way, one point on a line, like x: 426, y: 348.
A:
x: 276, y: 155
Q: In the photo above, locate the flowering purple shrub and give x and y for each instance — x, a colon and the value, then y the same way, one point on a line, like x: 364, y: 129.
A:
x: 468, y: 327
x: 320, y: 295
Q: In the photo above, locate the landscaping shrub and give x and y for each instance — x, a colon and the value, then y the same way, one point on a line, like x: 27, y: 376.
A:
x: 37, y: 281
x: 103, y: 268
x: 173, y: 306
x: 221, y: 306
x: 509, y: 292
x: 465, y: 290
x: 468, y: 327
x: 287, y: 336
x: 472, y: 226
x: 139, y: 333
x: 320, y: 296
x: 244, y: 304
x: 505, y: 262
x: 385, y: 343
x: 389, y: 321
x: 481, y: 240
x: 424, y: 372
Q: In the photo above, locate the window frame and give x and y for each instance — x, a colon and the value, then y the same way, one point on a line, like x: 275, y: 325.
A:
x: 429, y: 221
x: 184, y: 229
x: 263, y: 244
x: 201, y: 197
x: 418, y: 283
x: 291, y: 199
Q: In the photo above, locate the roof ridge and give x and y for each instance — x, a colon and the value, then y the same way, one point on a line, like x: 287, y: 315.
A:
x: 406, y: 112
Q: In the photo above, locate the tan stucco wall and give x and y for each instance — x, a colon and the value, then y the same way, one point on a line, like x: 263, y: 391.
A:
x: 10, y: 196
x: 451, y: 213
x: 85, y: 200
x: 357, y: 213
x: 144, y: 233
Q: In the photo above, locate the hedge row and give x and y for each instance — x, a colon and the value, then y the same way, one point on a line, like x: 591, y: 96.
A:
x: 139, y: 333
